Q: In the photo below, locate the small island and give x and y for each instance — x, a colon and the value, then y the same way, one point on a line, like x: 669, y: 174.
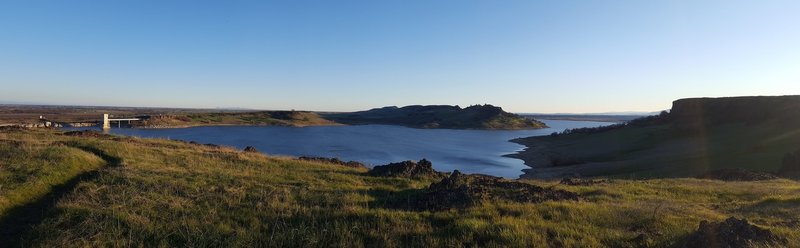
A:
x: 440, y: 116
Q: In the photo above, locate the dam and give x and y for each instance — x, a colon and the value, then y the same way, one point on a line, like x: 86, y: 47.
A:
x: 107, y: 121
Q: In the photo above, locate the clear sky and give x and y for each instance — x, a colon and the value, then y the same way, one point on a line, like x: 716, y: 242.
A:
x: 526, y: 56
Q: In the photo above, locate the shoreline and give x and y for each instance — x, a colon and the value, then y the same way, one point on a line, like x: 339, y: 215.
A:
x: 578, y: 119
x: 309, y: 125
x: 534, y: 156
x: 234, y: 125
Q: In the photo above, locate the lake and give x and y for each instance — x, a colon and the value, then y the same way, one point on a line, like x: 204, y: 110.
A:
x: 469, y: 151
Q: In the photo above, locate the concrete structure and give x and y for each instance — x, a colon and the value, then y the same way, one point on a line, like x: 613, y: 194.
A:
x: 107, y: 121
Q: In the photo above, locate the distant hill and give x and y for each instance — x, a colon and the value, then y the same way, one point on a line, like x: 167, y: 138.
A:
x: 697, y: 135
x: 436, y: 116
x: 439, y: 116
x: 260, y: 118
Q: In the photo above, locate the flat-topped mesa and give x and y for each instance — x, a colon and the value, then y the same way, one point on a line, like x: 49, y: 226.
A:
x: 699, y: 112
x: 440, y: 116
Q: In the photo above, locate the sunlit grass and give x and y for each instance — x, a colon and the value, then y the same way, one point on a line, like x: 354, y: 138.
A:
x: 169, y: 193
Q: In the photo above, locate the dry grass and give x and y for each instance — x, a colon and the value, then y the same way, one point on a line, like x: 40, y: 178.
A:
x: 170, y: 193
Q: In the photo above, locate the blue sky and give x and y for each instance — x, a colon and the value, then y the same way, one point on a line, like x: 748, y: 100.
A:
x: 526, y: 56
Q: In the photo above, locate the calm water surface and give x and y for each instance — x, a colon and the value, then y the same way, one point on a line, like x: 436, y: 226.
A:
x: 470, y: 151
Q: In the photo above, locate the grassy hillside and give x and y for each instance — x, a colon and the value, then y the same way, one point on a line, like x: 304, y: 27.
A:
x: 265, y: 118
x: 698, y: 135
x: 440, y: 116
x: 151, y: 192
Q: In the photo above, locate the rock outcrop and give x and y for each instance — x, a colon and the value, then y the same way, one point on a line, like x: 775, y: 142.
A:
x: 732, y: 233
x: 462, y: 191
x: 250, y: 149
x: 408, y: 169
x: 351, y: 164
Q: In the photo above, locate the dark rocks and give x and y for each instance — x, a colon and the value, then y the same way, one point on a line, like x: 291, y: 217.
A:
x: 643, y: 240
x: 250, y: 149
x: 574, y: 181
x: 462, y: 191
x: 352, y: 164
x: 11, y: 128
x: 737, y: 175
x: 85, y: 133
x: 210, y: 145
x: 732, y: 233
x: 408, y: 169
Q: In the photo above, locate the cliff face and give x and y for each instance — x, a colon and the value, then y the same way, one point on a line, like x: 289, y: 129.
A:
x: 697, y: 136
x: 703, y: 112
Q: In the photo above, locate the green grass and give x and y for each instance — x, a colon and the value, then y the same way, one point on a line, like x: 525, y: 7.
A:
x: 170, y: 193
x: 29, y: 168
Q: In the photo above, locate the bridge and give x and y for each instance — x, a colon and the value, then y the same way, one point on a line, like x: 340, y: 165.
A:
x: 107, y: 121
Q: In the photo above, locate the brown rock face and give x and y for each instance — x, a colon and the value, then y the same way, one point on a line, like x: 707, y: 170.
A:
x: 409, y: 169
x: 463, y: 191
x: 732, y: 233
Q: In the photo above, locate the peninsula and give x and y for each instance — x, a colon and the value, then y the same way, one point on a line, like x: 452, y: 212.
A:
x: 698, y: 135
